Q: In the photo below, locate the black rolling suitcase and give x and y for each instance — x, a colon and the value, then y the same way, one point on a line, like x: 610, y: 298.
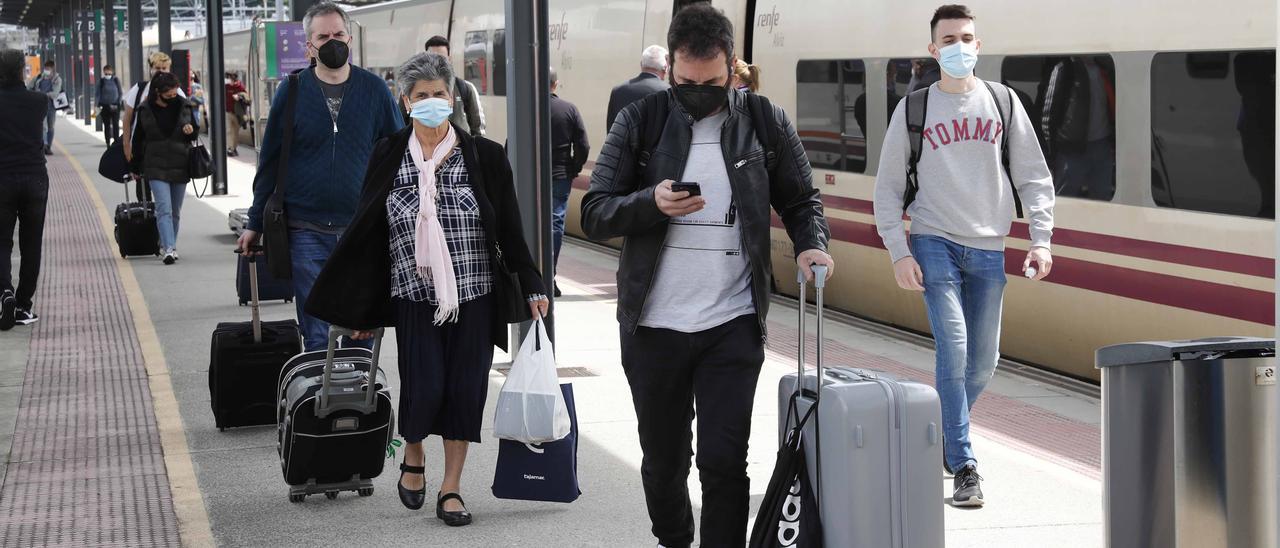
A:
x: 334, y: 429
x: 270, y: 288
x: 136, y: 230
x: 245, y: 359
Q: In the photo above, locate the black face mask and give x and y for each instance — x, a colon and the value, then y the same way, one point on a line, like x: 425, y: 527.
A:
x: 334, y: 54
x: 700, y: 100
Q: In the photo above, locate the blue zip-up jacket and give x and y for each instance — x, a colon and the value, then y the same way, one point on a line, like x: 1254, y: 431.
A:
x: 326, y: 165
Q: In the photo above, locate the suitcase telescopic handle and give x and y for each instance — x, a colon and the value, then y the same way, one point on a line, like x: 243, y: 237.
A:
x: 254, y: 307
x: 334, y: 333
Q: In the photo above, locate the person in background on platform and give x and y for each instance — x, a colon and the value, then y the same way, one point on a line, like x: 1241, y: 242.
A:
x: 959, y: 219
x: 109, y: 97
x: 746, y: 77
x: 694, y: 276
x: 197, y: 100
x: 467, y: 110
x: 652, y: 79
x: 235, y: 93
x: 569, y: 150
x: 158, y: 62
x: 24, y: 188
x: 166, y: 127
x: 341, y: 111
x: 49, y: 83
x: 437, y: 211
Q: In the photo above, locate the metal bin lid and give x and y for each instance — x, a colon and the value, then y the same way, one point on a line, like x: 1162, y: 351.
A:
x: 1158, y: 351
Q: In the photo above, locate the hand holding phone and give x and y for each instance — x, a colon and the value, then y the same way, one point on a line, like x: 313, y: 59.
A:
x: 694, y: 189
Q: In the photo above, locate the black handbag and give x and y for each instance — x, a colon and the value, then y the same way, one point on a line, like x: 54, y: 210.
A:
x: 112, y: 164
x: 275, y: 223
x: 199, y: 164
x: 513, y: 305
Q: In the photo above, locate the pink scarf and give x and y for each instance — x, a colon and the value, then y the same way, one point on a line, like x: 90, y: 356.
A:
x: 431, y: 251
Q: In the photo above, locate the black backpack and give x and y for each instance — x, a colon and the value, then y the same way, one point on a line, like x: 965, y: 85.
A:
x: 654, y: 108
x: 917, y: 111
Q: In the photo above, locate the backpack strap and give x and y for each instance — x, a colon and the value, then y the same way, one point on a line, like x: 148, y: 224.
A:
x: 653, y: 111
x: 762, y: 117
x: 917, y: 111
x: 1006, y: 112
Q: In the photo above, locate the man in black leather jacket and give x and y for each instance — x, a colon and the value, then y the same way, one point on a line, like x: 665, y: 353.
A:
x: 694, y: 278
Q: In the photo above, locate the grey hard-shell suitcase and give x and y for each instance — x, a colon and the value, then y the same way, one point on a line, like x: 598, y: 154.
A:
x: 876, y: 455
x: 334, y: 426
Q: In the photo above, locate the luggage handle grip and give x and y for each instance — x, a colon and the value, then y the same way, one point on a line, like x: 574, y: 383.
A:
x: 322, y: 404
x: 254, y: 304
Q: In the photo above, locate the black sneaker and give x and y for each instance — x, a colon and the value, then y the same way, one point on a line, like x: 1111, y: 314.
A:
x: 555, y: 287
x: 7, y: 305
x: 968, y: 485
x: 25, y: 317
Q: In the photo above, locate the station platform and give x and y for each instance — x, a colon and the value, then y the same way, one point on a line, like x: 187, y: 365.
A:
x: 108, y: 436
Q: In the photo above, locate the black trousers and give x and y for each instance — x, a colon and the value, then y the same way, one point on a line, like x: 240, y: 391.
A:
x: 22, y: 204
x: 672, y: 373
x: 110, y: 123
x: 444, y: 370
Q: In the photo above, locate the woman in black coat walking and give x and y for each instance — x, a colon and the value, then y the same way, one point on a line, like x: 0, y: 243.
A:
x: 161, y: 145
x: 435, y: 250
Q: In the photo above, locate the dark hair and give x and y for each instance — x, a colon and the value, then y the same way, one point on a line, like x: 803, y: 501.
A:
x: 948, y: 11
x: 700, y: 31
x: 11, y: 63
x: 48, y: 63
x: 107, y: 67
x: 160, y: 83
x: 435, y: 41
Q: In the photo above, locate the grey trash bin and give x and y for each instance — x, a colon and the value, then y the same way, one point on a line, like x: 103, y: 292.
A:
x: 1188, y: 443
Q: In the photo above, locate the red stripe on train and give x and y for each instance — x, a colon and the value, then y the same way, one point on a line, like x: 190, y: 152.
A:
x: 1133, y: 247
x: 1144, y: 249
x: 1196, y: 295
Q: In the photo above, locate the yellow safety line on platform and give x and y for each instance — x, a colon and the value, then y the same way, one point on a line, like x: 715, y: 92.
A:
x: 193, y: 518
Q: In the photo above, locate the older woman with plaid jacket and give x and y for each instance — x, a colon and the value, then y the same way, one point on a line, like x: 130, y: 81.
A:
x: 436, y: 251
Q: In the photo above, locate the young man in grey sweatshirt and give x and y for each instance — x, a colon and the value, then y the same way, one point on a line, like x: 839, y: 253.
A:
x: 960, y: 216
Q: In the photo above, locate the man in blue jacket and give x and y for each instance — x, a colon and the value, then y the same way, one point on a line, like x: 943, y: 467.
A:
x: 341, y: 111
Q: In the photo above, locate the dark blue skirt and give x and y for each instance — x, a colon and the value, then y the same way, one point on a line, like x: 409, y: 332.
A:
x: 444, y: 370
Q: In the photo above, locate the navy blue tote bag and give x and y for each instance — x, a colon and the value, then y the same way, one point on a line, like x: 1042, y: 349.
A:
x: 542, y: 472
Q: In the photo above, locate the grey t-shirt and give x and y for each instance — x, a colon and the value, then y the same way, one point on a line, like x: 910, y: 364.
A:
x: 333, y: 96
x: 703, y: 278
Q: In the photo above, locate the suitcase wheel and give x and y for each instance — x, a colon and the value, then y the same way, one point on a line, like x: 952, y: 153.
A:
x: 222, y: 429
x: 289, y: 300
x: 331, y: 495
x: 366, y: 491
x: 297, y: 498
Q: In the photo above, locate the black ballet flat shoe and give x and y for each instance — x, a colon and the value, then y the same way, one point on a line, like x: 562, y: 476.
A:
x: 452, y: 519
x: 412, y: 499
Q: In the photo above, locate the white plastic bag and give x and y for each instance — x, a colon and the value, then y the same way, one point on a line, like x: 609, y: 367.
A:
x: 531, y: 408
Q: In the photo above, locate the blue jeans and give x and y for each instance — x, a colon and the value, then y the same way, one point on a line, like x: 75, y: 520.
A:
x: 309, y: 250
x: 560, y: 189
x: 168, y: 197
x: 50, y: 119
x: 963, y: 293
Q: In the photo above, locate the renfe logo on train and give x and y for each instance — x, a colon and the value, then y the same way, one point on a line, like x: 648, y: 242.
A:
x: 558, y: 31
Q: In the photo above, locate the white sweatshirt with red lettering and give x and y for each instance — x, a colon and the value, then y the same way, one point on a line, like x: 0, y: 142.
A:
x: 964, y: 195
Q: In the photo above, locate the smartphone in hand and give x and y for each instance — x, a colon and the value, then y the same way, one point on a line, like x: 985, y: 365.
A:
x: 694, y: 189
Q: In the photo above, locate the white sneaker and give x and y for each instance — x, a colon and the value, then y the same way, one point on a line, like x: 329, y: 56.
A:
x: 168, y: 257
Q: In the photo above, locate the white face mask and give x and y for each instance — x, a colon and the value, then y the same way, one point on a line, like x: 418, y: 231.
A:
x: 48, y: 72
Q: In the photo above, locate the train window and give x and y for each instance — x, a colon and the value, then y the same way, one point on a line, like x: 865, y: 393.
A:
x: 903, y: 76
x: 1071, y: 101
x: 500, y: 62
x: 1213, y: 131
x: 826, y: 92
x: 475, y: 59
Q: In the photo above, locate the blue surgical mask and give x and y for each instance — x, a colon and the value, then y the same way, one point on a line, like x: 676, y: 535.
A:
x: 432, y: 111
x: 958, y: 59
